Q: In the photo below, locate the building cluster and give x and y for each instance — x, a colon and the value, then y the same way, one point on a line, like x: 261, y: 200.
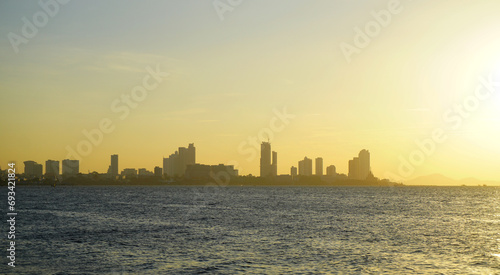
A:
x: 359, y: 167
x: 181, y: 164
x: 34, y: 170
x: 175, y: 165
x: 268, y: 161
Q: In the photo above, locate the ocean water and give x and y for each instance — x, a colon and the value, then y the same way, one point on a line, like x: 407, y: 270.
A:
x: 256, y: 230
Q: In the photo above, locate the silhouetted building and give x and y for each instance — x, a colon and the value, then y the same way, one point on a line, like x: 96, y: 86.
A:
x: 70, y: 168
x: 113, y: 168
x: 129, y: 173
x: 274, y: 165
x: 364, y: 164
x: 265, y: 160
x: 229, y: 169
x: 305, y: 167
x: 319, y: 166
x: 293, y: 172
x: 175, y: 165
x: 143, y: 172
x: 205, y: 172
x: 158, y: 172
x: 197, y: 171
x: 32, y: 169
x: 354, y: 168
x: 51, y: 168
x: 331, y: 171
x: 170, y: 165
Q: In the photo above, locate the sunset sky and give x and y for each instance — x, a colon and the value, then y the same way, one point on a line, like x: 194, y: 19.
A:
x: 230, y: 71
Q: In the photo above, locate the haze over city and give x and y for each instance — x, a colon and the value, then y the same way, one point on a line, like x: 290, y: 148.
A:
x: 227, y: 80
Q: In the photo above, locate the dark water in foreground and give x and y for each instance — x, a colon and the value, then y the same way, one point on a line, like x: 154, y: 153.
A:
x: 255, y: 230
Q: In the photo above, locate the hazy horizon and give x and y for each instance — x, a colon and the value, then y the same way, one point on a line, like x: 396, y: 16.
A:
x: 215, y: 79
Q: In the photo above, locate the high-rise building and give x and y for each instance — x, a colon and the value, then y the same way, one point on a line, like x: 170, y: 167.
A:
x: 354, y: 168
x: 51, y: 168
x: 293, y: 172
x: 364, y: 164
x: 33, y: 169
x: 171, y: 165
x: 113, y: 168
x: 186, y: 156
x: 305, y: 167
x: 70, y: 167
x: 158, y: 172
x: 319, y: 166
x: 274, y: 165
x: 331, y: 171
x: 191, y: 154
x: 265, y: 159
x: 175, y: 164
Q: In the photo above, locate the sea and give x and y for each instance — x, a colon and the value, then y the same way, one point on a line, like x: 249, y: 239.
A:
x: 254, y: 230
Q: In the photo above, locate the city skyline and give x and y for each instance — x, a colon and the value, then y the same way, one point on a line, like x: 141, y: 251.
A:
x: 177, y: 163
x: 417, y: 86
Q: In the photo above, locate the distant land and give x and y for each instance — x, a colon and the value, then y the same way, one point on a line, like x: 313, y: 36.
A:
x: 441, y: 180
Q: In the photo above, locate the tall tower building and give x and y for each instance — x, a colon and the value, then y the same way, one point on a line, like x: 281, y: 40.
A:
x: 32, y: 169
x: 114, y: 166
x: 70, y: 167
x: 176, y: 164
x: 319, y: 166
x: 265, y: 159
x: 364, y: 164
x: 305, y: 167
x: 293, y: 172
x: 186, y: 156
x: 275, y: 164
x: 354, y: 168
x: 51, y: 168
x: 191, y: 154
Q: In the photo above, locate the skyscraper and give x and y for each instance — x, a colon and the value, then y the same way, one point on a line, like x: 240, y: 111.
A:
x: 274, y: 165
x: 113, y: 168
x: 354, y: 168
x: 265, y: 159
x: 186, y: 156
x: 158, y: 172
x: 364, y: 164
x: 319, y: 166
x: 175, y: 164
x: 305, y: 167
x: 51, y: 168
x: 293, y: 172
x: 32, y: 169
x: 70, y: 167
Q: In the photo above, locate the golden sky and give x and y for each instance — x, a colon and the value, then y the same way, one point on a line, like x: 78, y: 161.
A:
x: 416, y: 69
